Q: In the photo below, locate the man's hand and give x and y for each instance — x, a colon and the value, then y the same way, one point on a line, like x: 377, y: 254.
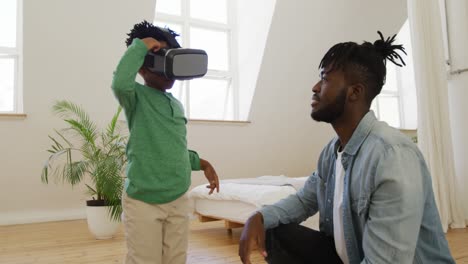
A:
x: 152, y: 44
x: 252, y: 235
x: 210, y: 175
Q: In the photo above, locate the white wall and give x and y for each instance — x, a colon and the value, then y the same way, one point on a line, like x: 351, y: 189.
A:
x: 458, y: 92
x: 253, y: 25
x: 282, y: 139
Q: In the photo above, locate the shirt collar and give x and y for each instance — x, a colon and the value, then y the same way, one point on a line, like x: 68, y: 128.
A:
x: 359, y: 135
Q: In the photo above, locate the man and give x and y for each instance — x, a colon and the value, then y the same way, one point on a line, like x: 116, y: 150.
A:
x: 372, y: 187
x: 155, y: 203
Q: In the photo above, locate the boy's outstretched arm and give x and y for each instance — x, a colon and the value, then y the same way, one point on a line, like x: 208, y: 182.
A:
x: 200, y: 164
x: 210, y: 175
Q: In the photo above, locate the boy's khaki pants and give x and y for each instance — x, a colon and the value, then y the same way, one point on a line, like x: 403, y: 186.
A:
x: 156, y: 233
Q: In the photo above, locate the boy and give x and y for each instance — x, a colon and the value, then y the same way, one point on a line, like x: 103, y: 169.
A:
x: 159, y: 164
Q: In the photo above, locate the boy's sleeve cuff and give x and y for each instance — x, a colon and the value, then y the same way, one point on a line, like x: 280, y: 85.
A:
x: 194, y: 160
x: 138, y: 44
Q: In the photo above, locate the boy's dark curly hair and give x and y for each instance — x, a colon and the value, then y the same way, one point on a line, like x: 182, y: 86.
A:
x: 146, y: 30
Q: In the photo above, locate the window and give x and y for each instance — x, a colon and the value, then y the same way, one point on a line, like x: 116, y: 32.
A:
x: 387, y: 103
x: 216, y: 26
x: 397, y: 104
x: 210, y: 29
x: 10, y: 56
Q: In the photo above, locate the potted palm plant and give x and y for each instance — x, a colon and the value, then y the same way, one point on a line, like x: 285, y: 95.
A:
x: 81, y: 153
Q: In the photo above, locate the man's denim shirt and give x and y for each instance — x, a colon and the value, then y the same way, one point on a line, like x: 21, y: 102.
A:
x: 389, y: 210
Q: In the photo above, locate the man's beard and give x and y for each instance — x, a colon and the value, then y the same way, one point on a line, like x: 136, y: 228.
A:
x: 332, y: 111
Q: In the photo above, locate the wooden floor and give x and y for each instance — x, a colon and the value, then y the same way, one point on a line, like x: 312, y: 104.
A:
x: 70, y: 242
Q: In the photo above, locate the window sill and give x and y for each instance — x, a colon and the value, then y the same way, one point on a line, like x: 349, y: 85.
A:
x: 411, y: 133
x: 209, y: 121
x: 12, y: 116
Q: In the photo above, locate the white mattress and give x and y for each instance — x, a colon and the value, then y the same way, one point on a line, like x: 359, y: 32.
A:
x: 237, y: 201
x: 257, y: 191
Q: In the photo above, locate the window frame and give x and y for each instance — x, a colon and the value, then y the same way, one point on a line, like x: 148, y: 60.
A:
x: 16, y: 53
x: 392, y: 94
x: 232, y: 74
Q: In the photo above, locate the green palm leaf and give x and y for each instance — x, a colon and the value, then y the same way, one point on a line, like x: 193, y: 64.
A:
x: 113, y: 124
x: 82, y: 124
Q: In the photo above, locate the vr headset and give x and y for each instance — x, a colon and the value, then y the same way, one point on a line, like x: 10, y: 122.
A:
x: 178, y: 63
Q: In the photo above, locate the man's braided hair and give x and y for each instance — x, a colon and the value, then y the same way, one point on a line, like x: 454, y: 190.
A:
x: 364, y: 62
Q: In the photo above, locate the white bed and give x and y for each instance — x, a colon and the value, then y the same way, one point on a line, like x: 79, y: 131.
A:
x: 239, y: 198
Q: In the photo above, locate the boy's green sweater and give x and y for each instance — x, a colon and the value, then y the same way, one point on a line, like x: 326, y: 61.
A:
x: 159, y: 163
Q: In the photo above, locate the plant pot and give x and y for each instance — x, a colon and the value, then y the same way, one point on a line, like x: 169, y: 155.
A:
x: 100, y: 223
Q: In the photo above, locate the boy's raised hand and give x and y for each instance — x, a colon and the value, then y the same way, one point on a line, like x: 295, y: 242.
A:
x: 152, y: 44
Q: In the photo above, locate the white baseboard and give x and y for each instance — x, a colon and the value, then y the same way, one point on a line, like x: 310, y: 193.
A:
x: 29, y: 217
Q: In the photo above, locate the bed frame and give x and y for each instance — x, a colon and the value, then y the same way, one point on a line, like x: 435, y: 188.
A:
x: 228, y: 224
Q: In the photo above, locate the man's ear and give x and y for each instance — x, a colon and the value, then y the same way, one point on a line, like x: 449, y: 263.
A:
x: 356, y: 92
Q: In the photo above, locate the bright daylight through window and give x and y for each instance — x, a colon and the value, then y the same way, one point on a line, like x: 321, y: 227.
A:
x: 10, y: 56
x: 211, y: 29
x: 397, y: 103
